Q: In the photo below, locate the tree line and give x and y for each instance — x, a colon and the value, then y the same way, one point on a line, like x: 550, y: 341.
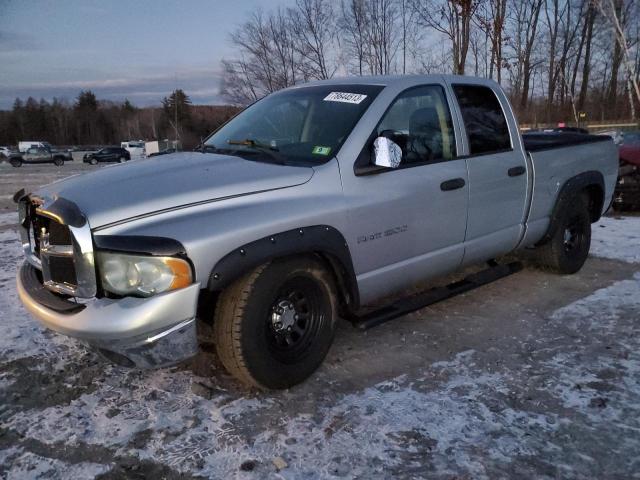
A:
x: 90, y: 121
x: 558, y: 59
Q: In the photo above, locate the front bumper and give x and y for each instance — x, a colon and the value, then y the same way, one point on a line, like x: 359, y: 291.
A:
x: 143, y: 332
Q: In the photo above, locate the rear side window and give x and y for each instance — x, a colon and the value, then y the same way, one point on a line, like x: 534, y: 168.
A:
x: 483, y: 118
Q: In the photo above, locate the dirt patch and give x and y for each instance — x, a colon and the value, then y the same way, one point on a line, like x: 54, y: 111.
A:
x: 35, y: 383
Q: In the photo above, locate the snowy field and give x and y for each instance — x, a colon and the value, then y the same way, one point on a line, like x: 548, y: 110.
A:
x: 534, y: 376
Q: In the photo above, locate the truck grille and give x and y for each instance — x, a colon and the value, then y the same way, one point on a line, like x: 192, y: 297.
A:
x: 54, y: 247
x: 62, y: 271
x: 63, y: 253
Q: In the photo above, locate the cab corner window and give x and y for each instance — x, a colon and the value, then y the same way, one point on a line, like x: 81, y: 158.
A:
x: 484, y: 120
x: 420, y: 123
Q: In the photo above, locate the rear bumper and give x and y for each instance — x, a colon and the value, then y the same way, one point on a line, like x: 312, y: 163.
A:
x: 143, y: 332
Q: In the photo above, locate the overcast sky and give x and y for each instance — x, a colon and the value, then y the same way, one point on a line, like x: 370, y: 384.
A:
x: 140, y: 50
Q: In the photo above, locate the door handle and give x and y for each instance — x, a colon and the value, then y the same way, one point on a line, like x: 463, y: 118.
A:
x: 515, y: 171
x: 452, y: 184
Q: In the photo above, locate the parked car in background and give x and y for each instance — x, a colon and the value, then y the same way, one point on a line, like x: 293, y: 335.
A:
x: 616, y: 135
x: 4, y: 152
x: 580, y: 130
x: 163, y: 152
x: 107, y: 154
x: 627, y: 194
x: 27, y: 144
x: 575, y: 130
x: 40, y: 155
x: 314, y: 202
x: 135, y: 148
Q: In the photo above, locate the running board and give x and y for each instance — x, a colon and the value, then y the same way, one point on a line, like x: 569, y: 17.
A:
x: 434, y: 295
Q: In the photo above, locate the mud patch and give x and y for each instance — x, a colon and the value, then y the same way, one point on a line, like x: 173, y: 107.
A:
x: 34, y: 383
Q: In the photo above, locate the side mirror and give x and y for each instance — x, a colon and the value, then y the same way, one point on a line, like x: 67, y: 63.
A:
x: 387, y: 153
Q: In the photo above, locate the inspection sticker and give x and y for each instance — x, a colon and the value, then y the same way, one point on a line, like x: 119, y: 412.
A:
x: 321, y: 150
x: 345, y: 97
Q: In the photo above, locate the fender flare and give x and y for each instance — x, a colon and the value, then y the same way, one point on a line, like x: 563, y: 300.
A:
x: 322, y: 240
x: 568, y: 191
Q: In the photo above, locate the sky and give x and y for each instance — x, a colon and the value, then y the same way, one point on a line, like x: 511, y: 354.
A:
x: 136, y: 49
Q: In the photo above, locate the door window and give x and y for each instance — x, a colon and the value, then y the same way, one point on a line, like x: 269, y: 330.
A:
x: 420, y: 123
x: 484, y: 120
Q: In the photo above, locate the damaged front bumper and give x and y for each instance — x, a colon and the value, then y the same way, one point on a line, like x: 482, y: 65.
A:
x: 142, y: 332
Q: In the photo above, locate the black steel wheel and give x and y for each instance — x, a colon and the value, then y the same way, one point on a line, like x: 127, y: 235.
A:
x: 274, y: 326
x: 295, y: 319
x: 568, y: 248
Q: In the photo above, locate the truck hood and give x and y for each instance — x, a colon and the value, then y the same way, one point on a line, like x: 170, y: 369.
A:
x: 165, y: 182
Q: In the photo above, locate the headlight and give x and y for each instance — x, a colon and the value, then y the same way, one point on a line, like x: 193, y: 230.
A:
x: 139, y: 275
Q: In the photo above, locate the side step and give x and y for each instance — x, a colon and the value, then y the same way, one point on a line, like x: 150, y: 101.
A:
x: 434, y: 295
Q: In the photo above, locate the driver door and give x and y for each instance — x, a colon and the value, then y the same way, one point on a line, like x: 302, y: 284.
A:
x: 36, y: 155
x: 408, y: 224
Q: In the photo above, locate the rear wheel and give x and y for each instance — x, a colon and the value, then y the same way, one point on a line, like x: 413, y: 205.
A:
x: 568, y: 248
x: 58, y: 162
x: 274, y: 326
x: 122, y: 159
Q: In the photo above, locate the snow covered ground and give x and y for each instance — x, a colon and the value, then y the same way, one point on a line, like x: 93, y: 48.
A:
x: 534, y: 376
x: 617, y: 238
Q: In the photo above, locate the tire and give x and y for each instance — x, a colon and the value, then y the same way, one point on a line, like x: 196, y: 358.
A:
x: 93, y: 161
x: 58, y: 162
x: 568, y: 248
x: 16, y: 162
x: 274, y: 326
x: 122, y: 159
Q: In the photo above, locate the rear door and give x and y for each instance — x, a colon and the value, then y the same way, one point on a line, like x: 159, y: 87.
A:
x: 497, y: 173
x: 408, y: 223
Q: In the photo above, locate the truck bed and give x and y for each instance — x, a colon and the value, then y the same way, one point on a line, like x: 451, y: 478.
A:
x: 557, y: 157
x: 537, y: 141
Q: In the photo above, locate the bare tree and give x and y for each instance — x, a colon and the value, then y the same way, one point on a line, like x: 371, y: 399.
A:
x: 451, y: 18
x: 586, y: 67
x: 382, y: 35
x: 269, y: 58
x: 552, y: 16
x: 618, y: 13
x: 353, y: 24
x: 490, y: 18
x: 370, y: 33
x: 525, y: 20
x: 408, y: 30
x: 313, y: 23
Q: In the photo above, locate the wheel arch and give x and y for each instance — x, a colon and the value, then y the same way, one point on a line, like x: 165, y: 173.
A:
x: 590, y: 183
x: 324, y: 241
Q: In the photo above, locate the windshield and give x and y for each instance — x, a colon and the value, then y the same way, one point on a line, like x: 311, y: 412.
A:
x: 301, y: 126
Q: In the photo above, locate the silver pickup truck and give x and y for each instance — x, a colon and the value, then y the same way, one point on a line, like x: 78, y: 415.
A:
x: 314, y: 202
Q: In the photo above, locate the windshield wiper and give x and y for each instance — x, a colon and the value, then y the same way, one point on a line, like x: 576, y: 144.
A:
x: 250, y: 142
x: 259, y: 146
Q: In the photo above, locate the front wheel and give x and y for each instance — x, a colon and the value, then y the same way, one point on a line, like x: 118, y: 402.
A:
x: 93, y: 161
x: 122, y: 159
x: 568, y: 248
x: 274, y: 326
x: 16, y: 162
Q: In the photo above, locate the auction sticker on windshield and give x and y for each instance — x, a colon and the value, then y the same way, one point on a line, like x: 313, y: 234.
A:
x: 318, y: 150
x: 345, y: 97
